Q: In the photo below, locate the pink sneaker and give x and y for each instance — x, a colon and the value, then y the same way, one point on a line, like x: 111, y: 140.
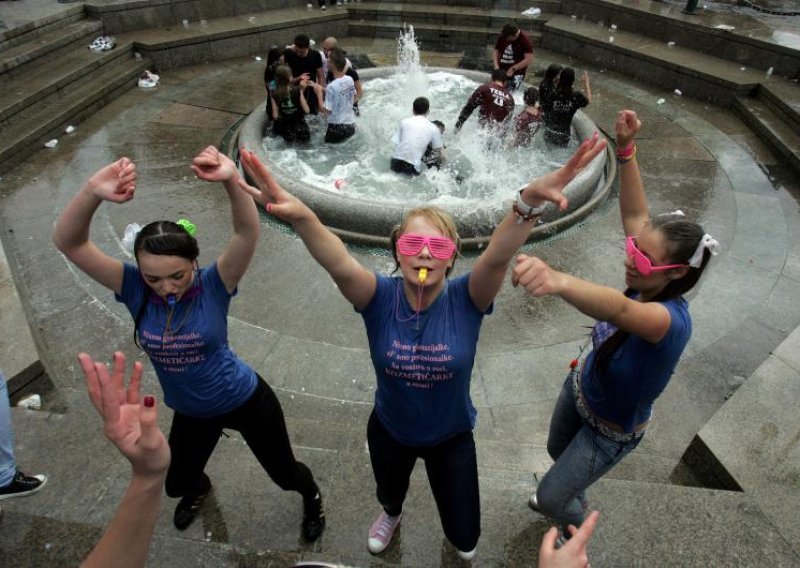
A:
x: 381, y: 532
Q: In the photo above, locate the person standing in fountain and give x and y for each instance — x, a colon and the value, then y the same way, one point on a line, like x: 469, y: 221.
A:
x: 606, y: 404
x: 339, y: 100
x: 527, y: 123
x: 290, y: 107
x: 513, y: 53
x: 306, y: 65
x: 349, y: 69
x: 494, y: 101
x: 547, y: 88
x: 412, y: 139
x: 563, y: 106
x: 423, y: 331
x: 180, y: 321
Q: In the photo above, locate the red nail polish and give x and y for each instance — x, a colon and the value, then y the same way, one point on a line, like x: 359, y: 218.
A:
x: 269, y: 207
x: 149, y: 401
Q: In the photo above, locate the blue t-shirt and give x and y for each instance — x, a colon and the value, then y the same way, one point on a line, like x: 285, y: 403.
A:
x: 200, y: 374
x: 638, y: 371
x: 423, y: 366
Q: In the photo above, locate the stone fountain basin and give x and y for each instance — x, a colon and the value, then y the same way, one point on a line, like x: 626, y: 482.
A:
x: 369, y: 223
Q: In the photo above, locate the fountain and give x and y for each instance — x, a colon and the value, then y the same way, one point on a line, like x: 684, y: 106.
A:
x: 352, y: 189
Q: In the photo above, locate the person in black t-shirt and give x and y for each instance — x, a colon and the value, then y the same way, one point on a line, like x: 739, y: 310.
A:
x: 289, y: 107
x: 548, y: 86
x: 306, y: 65
x: 565, y: 103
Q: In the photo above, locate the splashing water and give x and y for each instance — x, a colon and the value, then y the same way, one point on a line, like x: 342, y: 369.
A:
x: 479, y: 168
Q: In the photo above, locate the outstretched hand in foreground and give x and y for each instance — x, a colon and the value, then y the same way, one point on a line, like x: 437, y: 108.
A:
x: 276, y: 200
x: 550, y: 187
x: 132, y: 426
x: 572, y: 554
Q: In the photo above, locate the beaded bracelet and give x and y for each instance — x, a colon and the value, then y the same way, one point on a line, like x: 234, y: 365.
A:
x: 626, y: 156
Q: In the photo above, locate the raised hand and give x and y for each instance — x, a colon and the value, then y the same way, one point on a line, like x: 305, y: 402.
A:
x: 276, y: 200
x: 549, y: 187
x: 538, y: 279
x: 132, y: 427
x: 627, y: 127
x: 213, y: 165
x: 573, y: 554
x: 115, y: 182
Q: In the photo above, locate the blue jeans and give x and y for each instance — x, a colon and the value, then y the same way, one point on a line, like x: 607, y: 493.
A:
x: 8, y: 467
x: 582, y: 455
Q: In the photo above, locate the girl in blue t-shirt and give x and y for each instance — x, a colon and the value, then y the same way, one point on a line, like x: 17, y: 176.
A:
x: 180, y: 314
x: 423, y: 330
x: 603, y: 408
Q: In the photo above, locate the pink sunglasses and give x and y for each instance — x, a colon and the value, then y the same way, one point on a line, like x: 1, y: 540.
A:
x: 642, y: 263
x: 411, y: 244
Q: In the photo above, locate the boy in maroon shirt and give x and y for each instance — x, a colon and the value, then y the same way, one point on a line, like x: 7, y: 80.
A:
x: 494, y: 101
x: 513, y: 53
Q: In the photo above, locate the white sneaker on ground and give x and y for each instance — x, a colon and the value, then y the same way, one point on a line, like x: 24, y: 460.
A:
x: 382, y: 531
x: 467, y: 555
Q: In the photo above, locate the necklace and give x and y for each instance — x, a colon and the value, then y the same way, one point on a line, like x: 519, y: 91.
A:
x: 169, y: 330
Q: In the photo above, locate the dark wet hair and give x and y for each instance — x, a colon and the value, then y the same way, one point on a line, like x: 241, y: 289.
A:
x: 273, y: 60
x: 337, y: 59
x: 302, y: 41
x: 509, y: 29
x: 439, y: 124
x: 682, y: 238
x: 566, y: 80
x: 499, y: 75
x: 531, y: 96
x: 421, y: 105
x: 552, y: 72
x: 163, y: 238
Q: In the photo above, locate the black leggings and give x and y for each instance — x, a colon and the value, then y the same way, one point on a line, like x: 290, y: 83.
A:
x: 260, y: 421
x: 452, y: 472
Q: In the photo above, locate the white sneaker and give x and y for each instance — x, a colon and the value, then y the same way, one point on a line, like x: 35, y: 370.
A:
x: 467, y: 555
x: 382, y: 531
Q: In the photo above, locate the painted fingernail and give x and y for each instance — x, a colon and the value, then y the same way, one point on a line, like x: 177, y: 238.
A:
x: 149, y: 401
x: 269, y: 207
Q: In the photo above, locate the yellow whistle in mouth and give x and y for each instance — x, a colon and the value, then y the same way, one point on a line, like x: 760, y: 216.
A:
x: 423, y: 274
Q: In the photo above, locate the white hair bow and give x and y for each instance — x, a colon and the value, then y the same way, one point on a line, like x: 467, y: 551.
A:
x: 707, y: 242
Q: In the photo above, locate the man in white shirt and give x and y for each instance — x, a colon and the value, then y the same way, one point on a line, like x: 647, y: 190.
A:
x: 412, y: 139
x: 339, y: 97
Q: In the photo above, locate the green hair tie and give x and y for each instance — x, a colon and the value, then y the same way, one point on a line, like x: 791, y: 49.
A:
x: 187, y: 226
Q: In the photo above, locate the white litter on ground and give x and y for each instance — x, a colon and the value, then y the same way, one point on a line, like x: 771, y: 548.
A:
x: 51, y: 143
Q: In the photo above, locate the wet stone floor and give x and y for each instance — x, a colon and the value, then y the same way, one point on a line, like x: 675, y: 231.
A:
x: 291, y: 324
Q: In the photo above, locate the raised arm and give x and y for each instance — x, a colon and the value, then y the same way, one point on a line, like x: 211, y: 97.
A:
x: 632, y: 199
x: 648, y: 320
x: 587, y: 86
x: 213, y: 165
x: 355, y: 282
x: 115, y: 182
x: 133, y: 428
x: 490, y: 269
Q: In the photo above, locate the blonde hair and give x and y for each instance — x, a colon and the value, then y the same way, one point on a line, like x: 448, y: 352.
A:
x: 439, y: 218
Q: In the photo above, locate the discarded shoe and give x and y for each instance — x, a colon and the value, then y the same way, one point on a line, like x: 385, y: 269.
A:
x: 103, y: 43
x: 148, y: 80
